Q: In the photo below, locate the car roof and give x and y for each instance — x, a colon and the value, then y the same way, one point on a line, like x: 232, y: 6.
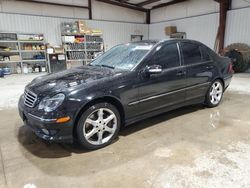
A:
x: 154, y: 42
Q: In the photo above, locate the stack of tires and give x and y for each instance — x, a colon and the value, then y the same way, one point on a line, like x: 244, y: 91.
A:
x: 240, y: 55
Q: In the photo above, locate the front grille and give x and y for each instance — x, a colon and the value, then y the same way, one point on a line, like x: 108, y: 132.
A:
x: 29, y: 98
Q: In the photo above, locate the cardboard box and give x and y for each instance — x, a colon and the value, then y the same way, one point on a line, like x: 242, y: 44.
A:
x: 81, y: 26
x: 15, y: 58
x: 170, y: 30
x: 58, y: 50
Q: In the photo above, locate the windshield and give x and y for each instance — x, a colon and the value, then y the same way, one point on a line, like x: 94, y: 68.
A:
x: 124, y: 57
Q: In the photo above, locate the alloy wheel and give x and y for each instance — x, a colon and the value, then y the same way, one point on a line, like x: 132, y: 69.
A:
x: 100, y: 126
x: 215, y: 93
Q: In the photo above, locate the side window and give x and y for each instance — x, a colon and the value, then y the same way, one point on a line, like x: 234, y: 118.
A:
x: 204, y: 54
x: 167, y: 56
x: 191, y: 53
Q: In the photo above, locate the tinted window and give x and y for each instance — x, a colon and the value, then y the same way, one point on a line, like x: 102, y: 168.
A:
x: 191, y: 53
x: 205, y: 56
x: 167, y: 56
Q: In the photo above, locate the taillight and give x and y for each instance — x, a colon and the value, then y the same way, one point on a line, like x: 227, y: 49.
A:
x: 230, y: 68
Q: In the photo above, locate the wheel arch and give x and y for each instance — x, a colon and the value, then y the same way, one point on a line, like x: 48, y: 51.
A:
x: 222, y: 81
x: 110, y: 99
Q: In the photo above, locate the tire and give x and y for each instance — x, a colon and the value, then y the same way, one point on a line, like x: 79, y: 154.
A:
x: 98, y: 126
x: 214, y: 94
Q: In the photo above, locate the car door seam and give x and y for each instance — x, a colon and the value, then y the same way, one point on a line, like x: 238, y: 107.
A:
x: 165, y: 94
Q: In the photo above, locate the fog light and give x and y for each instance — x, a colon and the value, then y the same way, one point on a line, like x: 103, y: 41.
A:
x: 63, y: 119
x: 45, y: 131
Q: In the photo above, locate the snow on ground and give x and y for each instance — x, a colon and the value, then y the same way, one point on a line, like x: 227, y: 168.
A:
x: 11, y: 87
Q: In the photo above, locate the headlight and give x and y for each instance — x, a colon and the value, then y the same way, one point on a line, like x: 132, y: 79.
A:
x: 49, y: 104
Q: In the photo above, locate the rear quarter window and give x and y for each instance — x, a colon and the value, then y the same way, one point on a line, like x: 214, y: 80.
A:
x: 191, y: 53
x: 204, y: 54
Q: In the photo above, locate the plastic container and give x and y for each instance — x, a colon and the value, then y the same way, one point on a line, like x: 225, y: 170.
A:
x: 1, y: 73
x: 6, y: 71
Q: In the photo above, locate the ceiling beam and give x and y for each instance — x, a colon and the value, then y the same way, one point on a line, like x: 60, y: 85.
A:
x: 125, y: 5
x: 57, y: 4
x: 168, y: 3
x: 146, y: 2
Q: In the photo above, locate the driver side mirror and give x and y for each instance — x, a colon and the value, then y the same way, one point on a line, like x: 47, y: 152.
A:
x: 153, y: 69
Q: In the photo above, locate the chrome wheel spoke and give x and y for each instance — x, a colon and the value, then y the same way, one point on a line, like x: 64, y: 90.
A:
x: 100, y: 134
x: 212, y: 99
x: 91, y: 122
x: 217, y: 86
x: 100, y: 114
x: 110, y: 130
x: 109, y: 118
x: 216, y: 93
x: 98, y: 130
x: 91, y: 133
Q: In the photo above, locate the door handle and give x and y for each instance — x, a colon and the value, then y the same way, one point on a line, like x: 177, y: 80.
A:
x: 181, y: 73
x: 209, y: 67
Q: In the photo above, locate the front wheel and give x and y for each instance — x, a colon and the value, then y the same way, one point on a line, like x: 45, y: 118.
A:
x: 214, y: 94
x: 98, y: 126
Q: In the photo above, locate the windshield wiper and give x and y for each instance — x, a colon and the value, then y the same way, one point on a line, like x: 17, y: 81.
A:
x: 108, y: 66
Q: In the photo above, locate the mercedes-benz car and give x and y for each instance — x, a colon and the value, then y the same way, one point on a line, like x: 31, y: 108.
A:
x: 128, y: 83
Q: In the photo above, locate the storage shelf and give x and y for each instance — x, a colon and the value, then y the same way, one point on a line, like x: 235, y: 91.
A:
x: 17, y: 47
x: 10, y: 41
x: 82, y: 42
x: 83, y: 48
x: 79, y: 50
x: 75, y: 60
x: 33, y: 60
x: 90, y: 50
x: 22, y: 41
x: 79, y: 59
x: 10, y: 61
x: 31, y: 41
x: 11, y: 51
x: 81, y: 34
x: 29, y: 51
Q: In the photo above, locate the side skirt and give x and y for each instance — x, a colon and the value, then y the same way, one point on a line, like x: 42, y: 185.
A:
x: 130, y: 121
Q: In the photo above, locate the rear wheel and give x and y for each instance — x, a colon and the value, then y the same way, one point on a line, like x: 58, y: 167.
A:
x: 98, y: 126
x: 214, y: 94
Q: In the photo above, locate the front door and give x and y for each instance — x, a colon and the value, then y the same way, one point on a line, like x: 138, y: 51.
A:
x: 166, y: 88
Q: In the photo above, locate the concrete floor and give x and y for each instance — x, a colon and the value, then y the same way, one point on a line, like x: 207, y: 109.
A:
x: 189, y: 147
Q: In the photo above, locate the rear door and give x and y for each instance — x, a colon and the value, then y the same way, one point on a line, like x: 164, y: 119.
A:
x: 199, y: 66
x: 167, y: 88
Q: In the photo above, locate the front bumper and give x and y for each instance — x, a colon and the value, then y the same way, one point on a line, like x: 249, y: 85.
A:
x: 46, y: 128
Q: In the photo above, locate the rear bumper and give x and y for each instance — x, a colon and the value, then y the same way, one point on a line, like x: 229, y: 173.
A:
x: 47, y: 129
x: 227, y: 81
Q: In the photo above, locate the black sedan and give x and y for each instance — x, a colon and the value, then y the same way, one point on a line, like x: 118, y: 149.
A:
x: 128, y: 83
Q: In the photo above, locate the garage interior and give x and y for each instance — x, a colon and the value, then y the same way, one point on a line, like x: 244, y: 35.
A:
x: 193, y: 146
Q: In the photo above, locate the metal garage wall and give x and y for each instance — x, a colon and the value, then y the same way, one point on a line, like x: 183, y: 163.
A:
x: 113, y: 32
x: 238, y: 26
x: 202, y: 28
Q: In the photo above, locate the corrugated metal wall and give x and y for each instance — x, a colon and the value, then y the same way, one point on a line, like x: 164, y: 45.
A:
x: 201, y: 28
x: 204, y: 28
x: 238, y: 26
x: 113, y: 32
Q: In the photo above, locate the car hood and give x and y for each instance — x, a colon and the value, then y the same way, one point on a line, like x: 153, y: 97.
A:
x: 59, y: 82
